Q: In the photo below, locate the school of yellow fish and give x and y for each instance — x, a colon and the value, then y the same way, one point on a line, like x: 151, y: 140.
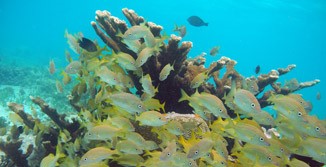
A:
x: 110, y: 134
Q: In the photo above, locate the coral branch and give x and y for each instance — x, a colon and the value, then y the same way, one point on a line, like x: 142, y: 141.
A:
x: 19, y: 110
x: 132, y: 17
x: 108, y: 41
x: 53, y: 114
x: 289, y: 68
x: 12, y: 150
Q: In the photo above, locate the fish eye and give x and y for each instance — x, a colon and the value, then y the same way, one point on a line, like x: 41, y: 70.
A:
x: 220, y: 110
x: 169, y: 154
x: 261, y: 139
x: 190, y: 163
x: 159, y: 118
x: 269, y: 158
x: 222, y: 163
x: 196, y: 152
x: 85, y: 159
x: 299, y: 114
x: 139, y: 106
x: 317, y: 129
x: 282, y: 150
x: 253, y: 105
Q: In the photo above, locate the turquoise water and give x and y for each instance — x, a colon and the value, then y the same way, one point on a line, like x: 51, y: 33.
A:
x: 269, y: 33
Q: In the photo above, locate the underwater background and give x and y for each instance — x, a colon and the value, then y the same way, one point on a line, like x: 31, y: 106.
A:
x: 71, y: 96
x: 269, y: 33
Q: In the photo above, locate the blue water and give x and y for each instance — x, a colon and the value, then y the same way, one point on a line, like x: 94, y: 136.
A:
x: 269, y: 33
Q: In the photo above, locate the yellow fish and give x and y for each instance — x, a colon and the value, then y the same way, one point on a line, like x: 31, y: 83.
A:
x: 96, y: 155
x: 66, y: 78
x: 101, y: 132
x: 200, y: 149
x: 199, y: 79
x: 147, y: 84
x: 133, y: 45
x: 248, y: 131
x: 169, y: 151
x: 144, y: 55
x: 174, y: 127
x: 288, y: 107
x: 260, y: 155
x: 135, y: 32
x: 52, y: 67
x: 128, y: 147
x: 246, y: 101
x: 165, y: 72
x: 73, y: 67
x: 134, y: 105
x: 126, y: 61
x: 151, y: 118
x: 213, y: 104
x: 108, y: 76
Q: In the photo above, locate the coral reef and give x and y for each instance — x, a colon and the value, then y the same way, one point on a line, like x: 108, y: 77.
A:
x: 139, y: 101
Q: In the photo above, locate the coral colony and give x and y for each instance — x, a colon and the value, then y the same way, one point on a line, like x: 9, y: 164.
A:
x: 139, y: 101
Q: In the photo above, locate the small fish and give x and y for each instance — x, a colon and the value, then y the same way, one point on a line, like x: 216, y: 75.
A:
x: 318, y: 96
x: 180, y: 159
x: 129, y: 147
x: 126, y: 61
x: 101, y: 132
x: 133, y: 45
x: 87, y: 44
x: 174, y: 127
x: 200, y: 149
x: 68, y: 56
x: 251, y: 85
x: 215, y: 50
x: 136, y: 138
x: 134, y: 105
x: 147, y: 84
x: 181, y: 30
x: 199, y: 79
x: 257, y: 69
x: 246, y: 101
x: 151, y: 118
x: 143, y: 56
x: 128, y: 160
x: 315, y: 148
x: 108, y: 76
x: 306, y: 104
x: 260, y: 155
x: 212, y: 103
x: 263, y: 118
x: 66, y: 78
x: 135, y: 32
x: 73, y: 67
x: 150, y: 145
x: 96, y: 155
x: 58, y: 86
x: 52, y: 67
x: 248, y: 131
x: 196, y: 21
x: 289, y: 107
x: 122, y: 123
x: 165, y: 72
x: 169, y: 151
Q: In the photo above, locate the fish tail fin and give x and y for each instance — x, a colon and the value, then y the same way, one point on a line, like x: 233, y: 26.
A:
x: 163, y: 106
x: 184, y: 96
